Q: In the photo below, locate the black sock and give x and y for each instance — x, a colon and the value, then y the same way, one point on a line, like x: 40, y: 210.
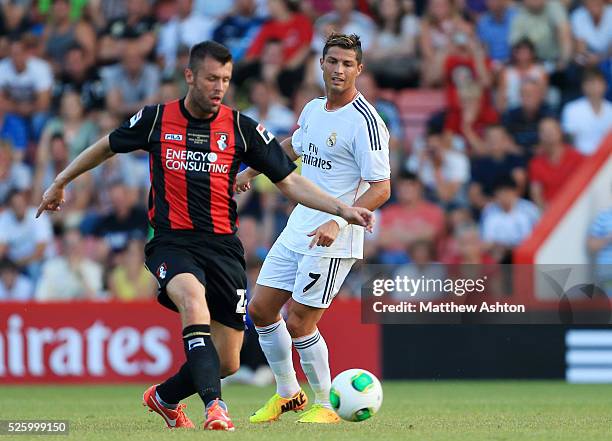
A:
x: 178, y: 387
x: 203, y: 362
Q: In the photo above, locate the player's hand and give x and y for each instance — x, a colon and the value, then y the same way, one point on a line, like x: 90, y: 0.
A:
x: 324, y: 235
x: 243, y: 182
x: 359, y: 216
x: 52, y: 199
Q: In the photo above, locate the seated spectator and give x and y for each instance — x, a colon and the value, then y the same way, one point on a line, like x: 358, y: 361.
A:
x: 523, y: 67
x: 132, y: 84
x: 266, y: 109
x: 422, y: 264
x: 76, y: 76
x: 523, y: 121
x: 70, y: 275
x: 238, y: 29
x: 127, y: 220
x: 14, y: 174
x: 443, y: 171
x: 410, y: 219
x: 497, y: 157
x: 441, y: 22
x: 599, y: 244
x: 292, y: 28
x: 13, y: 128
x: 130, y: 280
x: 14, y: 286
x: 61, y: 33
x: 78, y: 132
x: 137, y: 26
x: 53, y: 157
x: 588, y: 119
x: 346, y: 20
x: 185, y: 28
x: 392, y: 55
x: 26, y: 83
x: 546, y: 24
x: 592, y: 30
x: 23, y: 238
x: 507, y: 221
x: 493, y: 29
x: 471, y: 250
x: 553, y: 165
x: 468, y: 79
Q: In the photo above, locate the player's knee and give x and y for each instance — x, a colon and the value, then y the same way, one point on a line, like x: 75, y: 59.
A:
x: 257, y: 313
x: 298, y: 326
x: 191, y: 303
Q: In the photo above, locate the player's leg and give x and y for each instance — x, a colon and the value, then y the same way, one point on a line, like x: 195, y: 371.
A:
x: 228, y: 342
x: 318, y: 281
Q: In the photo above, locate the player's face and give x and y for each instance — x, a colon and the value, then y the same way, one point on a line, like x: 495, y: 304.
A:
x: 208, y: 84
x: 340, y: 69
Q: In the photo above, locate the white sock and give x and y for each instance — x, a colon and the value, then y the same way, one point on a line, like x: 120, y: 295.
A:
x: 314, y: 358
x: 275, y: 343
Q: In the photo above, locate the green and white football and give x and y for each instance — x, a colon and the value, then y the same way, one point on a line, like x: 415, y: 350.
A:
x: 356, y: 395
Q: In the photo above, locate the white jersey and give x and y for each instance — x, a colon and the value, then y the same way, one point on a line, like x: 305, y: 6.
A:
x: 342, y: 151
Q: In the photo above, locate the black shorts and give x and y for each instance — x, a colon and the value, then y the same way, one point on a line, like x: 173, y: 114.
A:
x: 217, y: 261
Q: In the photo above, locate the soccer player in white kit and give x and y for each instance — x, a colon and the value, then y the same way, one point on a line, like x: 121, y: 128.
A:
x: 344, y: 146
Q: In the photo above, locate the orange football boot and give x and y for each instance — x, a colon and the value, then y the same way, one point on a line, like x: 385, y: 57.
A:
x: 174, y: 418
x: 217, y: 418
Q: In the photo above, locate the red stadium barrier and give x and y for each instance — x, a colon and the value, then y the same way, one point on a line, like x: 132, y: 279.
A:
x: 87, y: 342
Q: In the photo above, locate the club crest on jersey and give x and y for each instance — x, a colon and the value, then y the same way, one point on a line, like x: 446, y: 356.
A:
x: 331, y: 139
x: 162, y: 271
x: 222, y: 139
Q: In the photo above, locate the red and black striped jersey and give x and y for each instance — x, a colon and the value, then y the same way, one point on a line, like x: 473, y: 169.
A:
x: 193, y: 163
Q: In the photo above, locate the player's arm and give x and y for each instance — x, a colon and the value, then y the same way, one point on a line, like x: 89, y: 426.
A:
x: 91, y: 157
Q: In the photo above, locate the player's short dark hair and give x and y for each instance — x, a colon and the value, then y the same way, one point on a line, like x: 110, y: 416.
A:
x: 593, y: 74
x: 345, y: 42
x: 205, y: 49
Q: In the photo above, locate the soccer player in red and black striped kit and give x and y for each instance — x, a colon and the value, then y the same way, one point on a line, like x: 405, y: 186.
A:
x: 195, y: 147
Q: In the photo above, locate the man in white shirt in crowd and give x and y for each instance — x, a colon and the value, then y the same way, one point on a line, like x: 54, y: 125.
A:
x: 589, y: 119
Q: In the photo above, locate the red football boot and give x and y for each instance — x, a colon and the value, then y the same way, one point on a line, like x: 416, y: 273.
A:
x: 174, y: 418
x: 217, y: 418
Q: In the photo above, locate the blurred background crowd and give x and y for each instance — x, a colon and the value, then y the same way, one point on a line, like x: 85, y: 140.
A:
x: 491, y: 106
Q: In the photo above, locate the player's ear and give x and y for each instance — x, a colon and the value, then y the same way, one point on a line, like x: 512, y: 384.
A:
x: 359, y: 69
x: 189, y: 76
x: 321, y: 62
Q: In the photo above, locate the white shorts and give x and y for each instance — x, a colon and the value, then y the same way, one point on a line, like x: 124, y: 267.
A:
x: 312, y: 280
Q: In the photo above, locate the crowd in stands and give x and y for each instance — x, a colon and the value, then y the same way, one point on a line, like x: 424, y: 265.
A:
x: 527, y: 86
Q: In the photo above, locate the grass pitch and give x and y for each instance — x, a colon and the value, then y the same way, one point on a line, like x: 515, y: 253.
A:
x: 423, y: 411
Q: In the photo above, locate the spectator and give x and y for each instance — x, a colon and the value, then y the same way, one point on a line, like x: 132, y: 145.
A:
x: 507, y: 221
x: 443, y: 170
x: 237, y: 30
x: 71, y: 275
x: 52, y: 157
x: 185, y: 28
x: 545, y: 23
x: 130, y: 280
x: 127, y: 220
x: 277, y: 118
x: 441, y: 22
x: 468, y: 79
x: 26, y: 83
x: 411, y: 218
x: 422, y: 265
x: 14, y: 174
x: 392, y: 55
x: 23, y: 238
x: 523, y: 67
x: 13, y: 284
x: 77, y: 131
x: 137, y: 26
x: 293, y: 29
x: 132, y: 84
x: 77, y: 76
x: 61, y: 33
x: 497, y: 156
x: 471, y: 250
x: 522, y: 122
x: 589, y: 119
x: 344, y: 19
x: 493, y: 29
x: 13, y: 128
x: 553, y: 166
x: 592, y: 29
x: 599, y: 243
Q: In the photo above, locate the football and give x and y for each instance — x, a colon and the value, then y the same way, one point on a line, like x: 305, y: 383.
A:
x: 356, y: 395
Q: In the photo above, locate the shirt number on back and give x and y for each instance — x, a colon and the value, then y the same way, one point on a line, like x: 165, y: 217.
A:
x: 242, y: 301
